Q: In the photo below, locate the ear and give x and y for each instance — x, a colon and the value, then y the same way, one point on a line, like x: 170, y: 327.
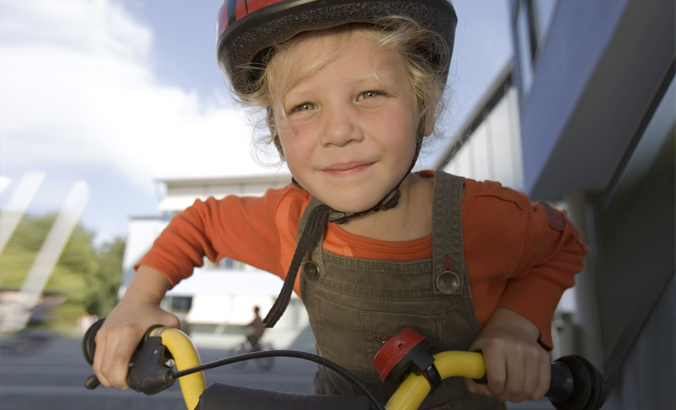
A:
x: 270, y: 120
x: 430, y: 120
x: 278, y: 145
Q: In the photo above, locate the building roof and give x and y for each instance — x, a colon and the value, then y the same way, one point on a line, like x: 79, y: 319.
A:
x: 181, y: 193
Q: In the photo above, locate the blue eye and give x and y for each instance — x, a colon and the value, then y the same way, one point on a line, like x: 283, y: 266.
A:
x: 304, y: 107
x: 368, y: 94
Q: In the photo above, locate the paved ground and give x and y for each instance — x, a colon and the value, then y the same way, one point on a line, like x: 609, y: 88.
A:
x: 52, y: 378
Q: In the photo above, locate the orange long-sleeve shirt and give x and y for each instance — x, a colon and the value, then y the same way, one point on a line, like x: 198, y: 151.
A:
x: 519, y: 255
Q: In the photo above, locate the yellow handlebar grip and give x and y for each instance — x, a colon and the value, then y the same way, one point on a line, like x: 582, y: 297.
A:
x: 186, y: 356
x: 415, y: 388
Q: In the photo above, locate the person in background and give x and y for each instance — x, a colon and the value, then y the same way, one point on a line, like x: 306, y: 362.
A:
x: 256, y: 330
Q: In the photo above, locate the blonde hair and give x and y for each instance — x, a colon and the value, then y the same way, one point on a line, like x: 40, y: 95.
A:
x: 425, y: 55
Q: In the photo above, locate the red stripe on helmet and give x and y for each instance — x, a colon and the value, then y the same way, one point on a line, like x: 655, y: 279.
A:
x: 259, y: 4
x: 242, y: 11
x: 233, y: 10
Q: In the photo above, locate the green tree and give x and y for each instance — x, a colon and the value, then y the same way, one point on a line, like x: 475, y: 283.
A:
x: 85, y: 277
x: 103, y: 284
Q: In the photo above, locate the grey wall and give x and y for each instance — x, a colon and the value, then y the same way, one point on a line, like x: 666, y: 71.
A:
x: 599, y: 121
x: 601, y: 66
x: 647, y: 375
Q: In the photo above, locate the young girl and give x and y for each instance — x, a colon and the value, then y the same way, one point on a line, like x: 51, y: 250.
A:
x: 351, y: 88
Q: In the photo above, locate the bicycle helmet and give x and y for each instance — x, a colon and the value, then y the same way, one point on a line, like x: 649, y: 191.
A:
x: 247, y: 30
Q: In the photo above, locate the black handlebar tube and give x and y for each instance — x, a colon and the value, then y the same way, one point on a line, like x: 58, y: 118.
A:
x: 287, y: 353
x: 221, y: 396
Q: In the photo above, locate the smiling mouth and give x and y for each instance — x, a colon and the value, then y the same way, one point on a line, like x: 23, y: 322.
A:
x: 347, y: 168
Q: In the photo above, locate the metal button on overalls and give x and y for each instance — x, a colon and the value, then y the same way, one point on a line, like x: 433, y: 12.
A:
x: 311, y: 270
x: 353, y: 304
x: 448, y: 282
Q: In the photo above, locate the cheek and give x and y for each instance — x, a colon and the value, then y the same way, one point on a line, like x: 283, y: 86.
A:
x: 296, y: 148
x: 285, y: 137
x: 399, y: 134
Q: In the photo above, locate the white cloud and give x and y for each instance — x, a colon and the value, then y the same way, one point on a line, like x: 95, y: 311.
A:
x: 76, y: 86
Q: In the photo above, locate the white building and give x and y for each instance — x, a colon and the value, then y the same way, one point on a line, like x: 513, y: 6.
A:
x: 217, y: 301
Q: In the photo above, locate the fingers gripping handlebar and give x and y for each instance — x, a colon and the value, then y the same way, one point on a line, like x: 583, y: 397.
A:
x: 150, y: 370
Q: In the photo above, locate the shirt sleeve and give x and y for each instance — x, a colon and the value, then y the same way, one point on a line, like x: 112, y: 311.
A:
x: 553, y: 254
x: 532, y: 249
x: 240, y: 228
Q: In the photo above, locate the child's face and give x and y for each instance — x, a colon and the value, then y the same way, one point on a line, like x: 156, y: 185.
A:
x: 349, y: 137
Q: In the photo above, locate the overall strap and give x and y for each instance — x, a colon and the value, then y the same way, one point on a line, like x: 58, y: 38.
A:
x: 314, y: 202
x: 315, y: 252
x: 314, y: 223
x: 449, y: 274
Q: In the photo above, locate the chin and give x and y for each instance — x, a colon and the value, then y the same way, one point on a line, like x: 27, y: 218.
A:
x: 352, y: 203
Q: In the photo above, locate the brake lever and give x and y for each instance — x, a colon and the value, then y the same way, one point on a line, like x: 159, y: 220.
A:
x: 150, y: 368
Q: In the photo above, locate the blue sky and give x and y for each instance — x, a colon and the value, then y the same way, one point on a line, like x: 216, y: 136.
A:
x: 121, y: 93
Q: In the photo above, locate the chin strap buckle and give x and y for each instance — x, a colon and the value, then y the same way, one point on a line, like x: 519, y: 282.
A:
x: 389, y: 202
x: 338, y: 217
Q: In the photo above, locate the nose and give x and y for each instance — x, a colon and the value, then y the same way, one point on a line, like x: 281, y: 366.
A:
x: 341, y: 126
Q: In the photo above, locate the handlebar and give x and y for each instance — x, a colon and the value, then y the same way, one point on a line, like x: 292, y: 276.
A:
x: 150, y: 369
x: 575, y: 383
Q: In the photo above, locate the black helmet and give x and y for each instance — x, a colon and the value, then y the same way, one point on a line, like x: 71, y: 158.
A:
x: 246, y: 29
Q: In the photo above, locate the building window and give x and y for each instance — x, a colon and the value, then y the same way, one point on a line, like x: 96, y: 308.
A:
x: 524, y: 48
x: 181, y: 304
x: 543, y: 11
x: 533, y: 19
x: 224, y: 263
x: 491, y: 146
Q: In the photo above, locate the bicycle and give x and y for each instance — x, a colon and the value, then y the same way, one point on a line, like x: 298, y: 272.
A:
x: 575, y: 383
x: 264, y: 364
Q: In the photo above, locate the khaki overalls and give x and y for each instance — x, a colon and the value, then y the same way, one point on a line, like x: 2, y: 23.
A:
x: 355, y: 305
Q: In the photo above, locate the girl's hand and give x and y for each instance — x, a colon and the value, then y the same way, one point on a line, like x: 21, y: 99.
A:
x: 517, y: 367
x: 127, y: 323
